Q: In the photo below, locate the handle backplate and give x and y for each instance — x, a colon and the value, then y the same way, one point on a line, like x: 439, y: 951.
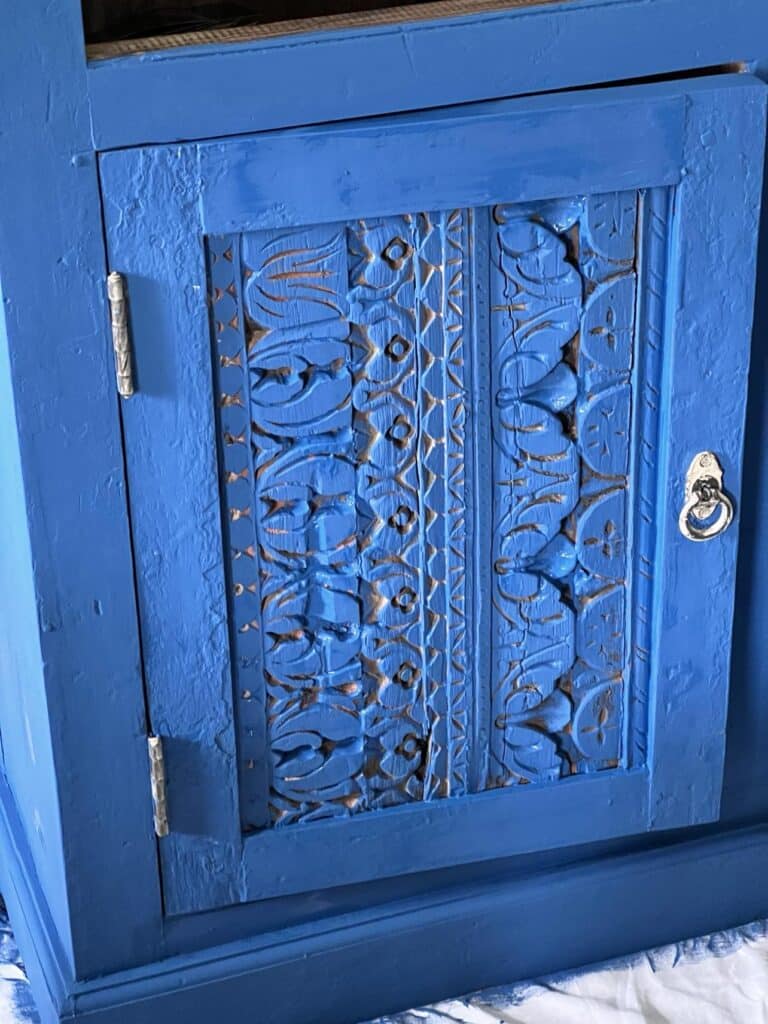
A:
x: 707, y: 510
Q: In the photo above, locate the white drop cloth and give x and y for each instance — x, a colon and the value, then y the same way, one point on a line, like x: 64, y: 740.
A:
x: 720, y: 979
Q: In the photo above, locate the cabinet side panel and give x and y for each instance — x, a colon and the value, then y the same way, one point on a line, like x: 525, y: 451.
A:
x: 24, y: 734
x: 62, y: 368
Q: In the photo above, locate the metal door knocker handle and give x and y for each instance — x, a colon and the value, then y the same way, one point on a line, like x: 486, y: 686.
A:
x: 705, y: 498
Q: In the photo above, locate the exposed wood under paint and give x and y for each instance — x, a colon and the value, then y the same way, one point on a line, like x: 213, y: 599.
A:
x: 294, y: 26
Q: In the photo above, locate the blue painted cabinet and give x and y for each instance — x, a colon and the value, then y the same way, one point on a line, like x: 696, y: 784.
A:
x: 428, y: 552
x: 417, y: 403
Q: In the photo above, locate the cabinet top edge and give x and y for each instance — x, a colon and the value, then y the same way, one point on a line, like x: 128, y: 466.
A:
x: 403, y: 14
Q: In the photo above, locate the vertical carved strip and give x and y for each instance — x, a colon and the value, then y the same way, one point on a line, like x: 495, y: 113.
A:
x: 650, y: 318
x: 442, y: 253
x: 456, y: 318
x: 601, y: 522
x: 563, y: 298
x: 301, y: 364
x: 536, y: 300
x: 239, y: 528
x: 383, y: 310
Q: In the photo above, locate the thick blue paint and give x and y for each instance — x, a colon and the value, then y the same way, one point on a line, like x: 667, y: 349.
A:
x: 338, y: 75
x: 561, y: 489
x: 443, y: 949
x: 745, y: 784
x: 25, y: 745
x: 87, y: 701
x: 51, y: 224
x: 508, y: 151
x: 352, y: 689
x: 486, y: 933
x: 177, y: 194
x: 704, y: 387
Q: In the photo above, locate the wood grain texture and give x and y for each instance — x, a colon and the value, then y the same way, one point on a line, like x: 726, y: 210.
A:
x: 355, y: 19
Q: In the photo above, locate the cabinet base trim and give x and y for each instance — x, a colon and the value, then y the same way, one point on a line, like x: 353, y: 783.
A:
x: 470, y: 938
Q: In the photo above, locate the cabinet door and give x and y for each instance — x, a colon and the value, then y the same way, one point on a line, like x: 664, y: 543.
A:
x: 419, y: 402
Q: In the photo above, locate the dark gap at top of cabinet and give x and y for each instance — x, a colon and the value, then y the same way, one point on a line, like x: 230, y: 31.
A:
x: 141, y: 26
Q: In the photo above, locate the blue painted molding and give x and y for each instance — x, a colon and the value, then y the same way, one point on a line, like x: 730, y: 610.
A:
x: 284, y: 972
x: 443, y: 951
x: 530, y: 149
x: 214, y: 91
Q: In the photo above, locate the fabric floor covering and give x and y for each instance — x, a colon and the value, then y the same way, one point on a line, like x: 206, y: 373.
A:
x: 718, y: 979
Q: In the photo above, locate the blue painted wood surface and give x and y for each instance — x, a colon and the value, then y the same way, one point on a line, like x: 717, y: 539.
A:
x: 209, y: 91
x: 17, y: 1002
x: 344, y: 360
x: 25, y: 747
x: 49, y: 224
x: 85, y: 700
x: 346, y: 974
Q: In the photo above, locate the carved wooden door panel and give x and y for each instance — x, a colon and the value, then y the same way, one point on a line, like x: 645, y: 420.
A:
x: 415, y: 403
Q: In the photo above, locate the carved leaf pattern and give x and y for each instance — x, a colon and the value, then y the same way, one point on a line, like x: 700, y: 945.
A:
x: 563, y: 288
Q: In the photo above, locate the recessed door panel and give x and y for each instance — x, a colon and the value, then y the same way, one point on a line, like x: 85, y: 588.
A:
x: 352, y: 449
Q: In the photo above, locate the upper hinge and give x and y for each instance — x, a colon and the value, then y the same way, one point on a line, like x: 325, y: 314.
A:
x: 121, y: 340
x: 157, y: 778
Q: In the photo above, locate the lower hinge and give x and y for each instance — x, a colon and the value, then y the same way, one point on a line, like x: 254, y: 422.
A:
x: 157, y: 778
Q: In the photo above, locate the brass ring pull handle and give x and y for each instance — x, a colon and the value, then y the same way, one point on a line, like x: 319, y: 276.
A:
x: 705, y: 498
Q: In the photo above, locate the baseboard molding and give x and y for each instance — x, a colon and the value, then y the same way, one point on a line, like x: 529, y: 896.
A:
x: 486, y: 935
x: 412, y: 953
x: 44, y: 961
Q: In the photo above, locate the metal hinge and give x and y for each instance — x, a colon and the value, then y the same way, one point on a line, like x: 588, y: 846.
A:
x: 157, y: 778
x: 121, y: 341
